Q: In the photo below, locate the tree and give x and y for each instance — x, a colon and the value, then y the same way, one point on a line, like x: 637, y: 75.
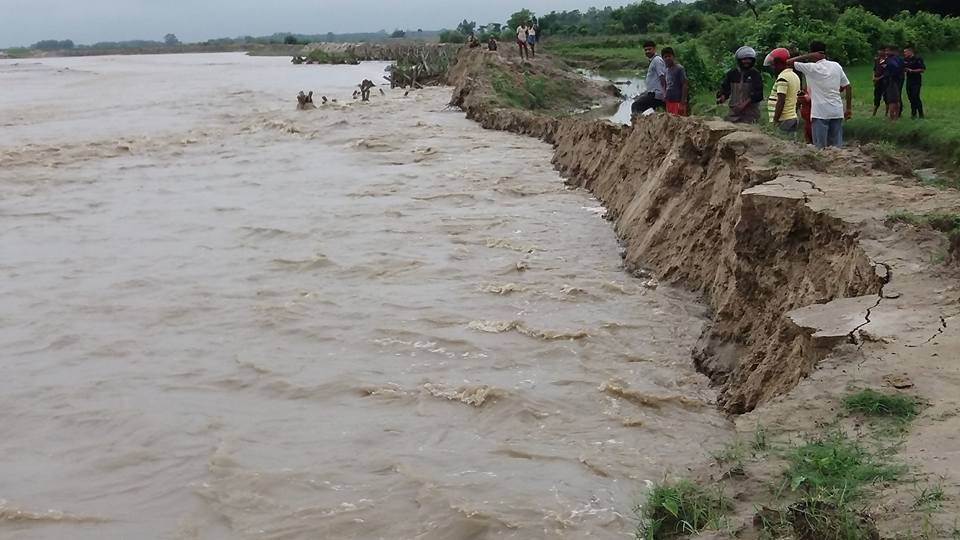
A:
x: 52, y: 45
x: 171, y: 40
x: 637, y: 18
x: 467, y: 27
x: 398, y: 34
x: 687, y: 21
x: 520, y: 17
x: 290, y: 39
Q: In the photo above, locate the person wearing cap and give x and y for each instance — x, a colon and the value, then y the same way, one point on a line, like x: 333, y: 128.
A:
x: 782, y: 103
x: 828, y: 85
x: 743, y: 88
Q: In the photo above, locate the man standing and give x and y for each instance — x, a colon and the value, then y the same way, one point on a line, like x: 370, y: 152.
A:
x: 782, y: 103
x: 677, y: 91
x: 522, y: 41
x: 915, y: 68
x: 532, y: 39
x: 826, y: 81
x: 893, y: 89
x: 743, y: 87
x: 656, y: 81
x: 878, y: 79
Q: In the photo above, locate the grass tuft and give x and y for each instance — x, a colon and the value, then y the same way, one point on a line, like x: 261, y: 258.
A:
x: 680, y: 508
x: 930, y: 498
x: 836, y: 468
x: 815, y: 519
x: 873, y: 403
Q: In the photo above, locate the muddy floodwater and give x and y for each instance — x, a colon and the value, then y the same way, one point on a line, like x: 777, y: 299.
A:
x: 222, y: 318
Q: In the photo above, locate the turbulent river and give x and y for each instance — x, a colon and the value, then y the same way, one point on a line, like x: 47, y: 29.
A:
x: 222, y: 318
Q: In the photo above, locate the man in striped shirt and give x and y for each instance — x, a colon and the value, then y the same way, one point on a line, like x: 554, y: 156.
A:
x: 782, y: 103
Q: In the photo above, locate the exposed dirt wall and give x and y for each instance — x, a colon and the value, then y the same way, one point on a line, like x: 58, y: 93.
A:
x: 679, y: 192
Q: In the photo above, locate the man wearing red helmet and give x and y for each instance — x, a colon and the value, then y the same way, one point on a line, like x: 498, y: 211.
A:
x: 782, y: 103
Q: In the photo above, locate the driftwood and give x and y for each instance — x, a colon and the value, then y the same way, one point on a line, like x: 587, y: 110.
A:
x: 421, y: 66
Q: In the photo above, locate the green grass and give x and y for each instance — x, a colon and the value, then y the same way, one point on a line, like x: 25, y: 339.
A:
x: 836, y: 468
x: 601, y: 54
x: 872, y: 403
x: 940, y: 221
x: 321, y: 57
x: 18, y: 52
x: 535, y: 92
x: 938, y: 134
x: 930, y: 498
x: 681, y: 508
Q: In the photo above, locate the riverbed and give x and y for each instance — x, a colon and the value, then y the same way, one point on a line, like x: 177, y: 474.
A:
x: 226, y: 318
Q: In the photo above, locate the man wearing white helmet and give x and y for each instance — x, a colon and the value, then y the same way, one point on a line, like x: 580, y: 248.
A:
x: 743, y: 88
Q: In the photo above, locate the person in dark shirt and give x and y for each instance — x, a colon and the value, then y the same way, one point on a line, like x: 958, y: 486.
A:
x: 893, y: 87
x: 915, y: 68
x: 676, y: 95
x: 743, y: 88
x: 878, y: 79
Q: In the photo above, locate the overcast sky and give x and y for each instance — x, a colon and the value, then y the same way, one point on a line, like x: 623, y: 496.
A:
x: 23, y: 22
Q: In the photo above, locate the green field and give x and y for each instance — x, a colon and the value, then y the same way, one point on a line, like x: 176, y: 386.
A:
x: 938, y: 134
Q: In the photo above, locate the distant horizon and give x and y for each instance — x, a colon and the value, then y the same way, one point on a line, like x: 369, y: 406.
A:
x: 27, y: 22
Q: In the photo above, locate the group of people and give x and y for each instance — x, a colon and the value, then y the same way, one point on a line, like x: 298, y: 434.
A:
x: 890, y: 72
x: 823, y: 103
x: 527, y: 36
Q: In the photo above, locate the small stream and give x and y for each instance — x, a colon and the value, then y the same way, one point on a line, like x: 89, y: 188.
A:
x: 630, y: 84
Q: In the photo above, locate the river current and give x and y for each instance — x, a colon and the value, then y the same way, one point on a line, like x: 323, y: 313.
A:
x: 222, y: 318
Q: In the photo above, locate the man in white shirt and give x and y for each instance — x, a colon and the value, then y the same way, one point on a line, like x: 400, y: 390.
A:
x: 522, y: 41
x: 826, y: 81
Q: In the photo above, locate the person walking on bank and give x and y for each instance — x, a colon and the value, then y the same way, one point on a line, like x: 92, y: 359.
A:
x: 782, y: 103
x: 826, y: 81
x: 915, y: 69
x: 522, y: 42
x: 655, y: 82
x: 743, y: 88
x: 677, y: 92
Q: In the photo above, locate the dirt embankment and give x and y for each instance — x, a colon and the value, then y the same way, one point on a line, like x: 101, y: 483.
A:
x: 732, y: 213
x: 384, y: 51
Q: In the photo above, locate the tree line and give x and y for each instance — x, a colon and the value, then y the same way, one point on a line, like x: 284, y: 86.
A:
x: 718, y: 16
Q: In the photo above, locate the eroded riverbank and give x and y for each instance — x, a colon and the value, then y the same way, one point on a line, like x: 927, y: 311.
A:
x: 794, y: 252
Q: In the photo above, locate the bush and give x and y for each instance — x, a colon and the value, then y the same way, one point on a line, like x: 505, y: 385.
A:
x: 319, y: 56
x: 680, y: 508
x: 452, y: 36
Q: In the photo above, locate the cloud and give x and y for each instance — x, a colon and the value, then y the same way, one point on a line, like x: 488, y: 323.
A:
x: 88, y: 21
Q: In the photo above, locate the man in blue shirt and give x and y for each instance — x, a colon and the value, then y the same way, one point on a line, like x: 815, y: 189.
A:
x: 893, y: 91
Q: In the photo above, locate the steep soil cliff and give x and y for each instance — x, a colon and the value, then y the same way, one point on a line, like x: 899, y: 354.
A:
x: 679, y: 192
